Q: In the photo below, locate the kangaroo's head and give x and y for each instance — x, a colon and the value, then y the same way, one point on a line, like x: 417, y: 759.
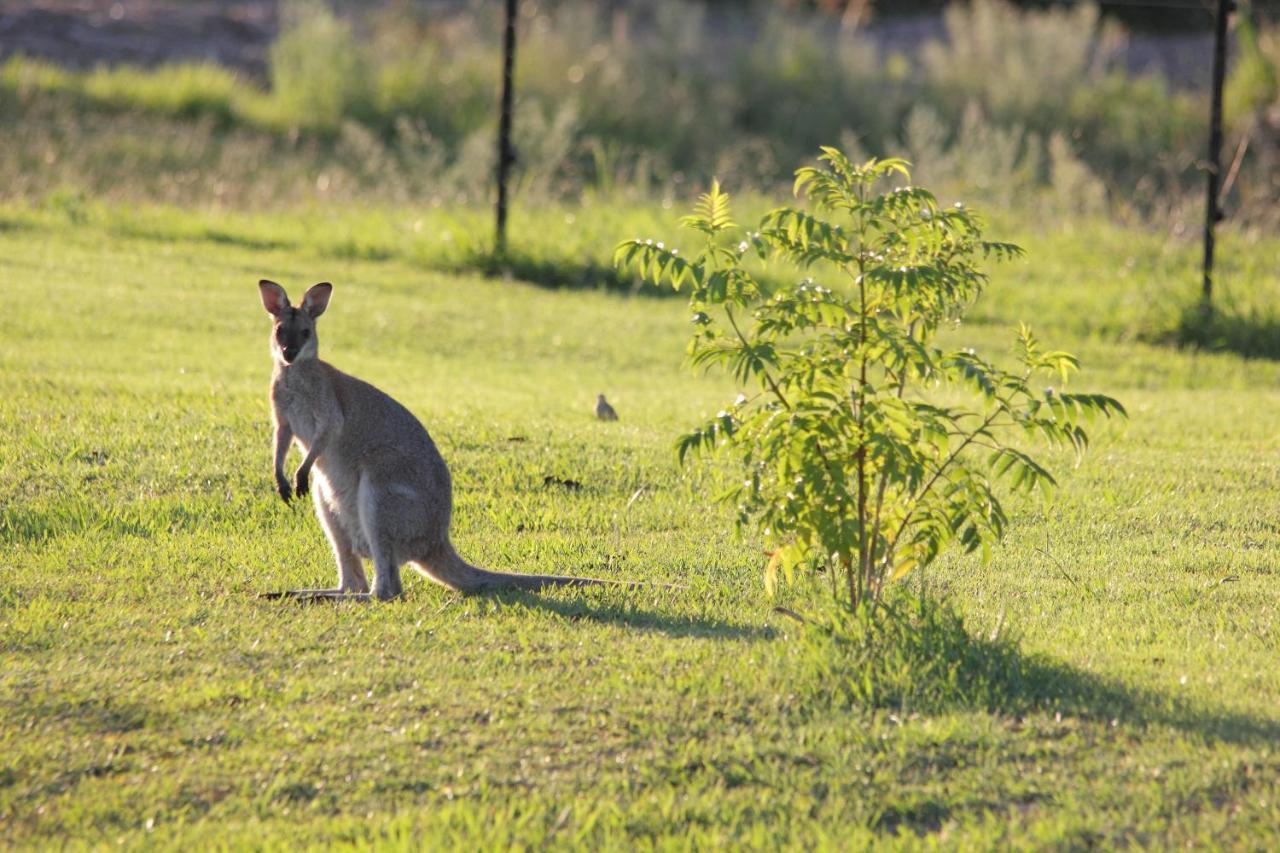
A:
x: 293, y: 332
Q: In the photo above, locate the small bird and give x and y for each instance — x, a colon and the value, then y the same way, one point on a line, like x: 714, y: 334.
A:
x: 604, y: 411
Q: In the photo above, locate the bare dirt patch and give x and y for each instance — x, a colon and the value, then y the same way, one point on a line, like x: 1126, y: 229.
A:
x: 85, y: 33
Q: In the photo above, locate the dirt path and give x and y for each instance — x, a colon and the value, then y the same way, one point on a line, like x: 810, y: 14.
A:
x: 84, y: 33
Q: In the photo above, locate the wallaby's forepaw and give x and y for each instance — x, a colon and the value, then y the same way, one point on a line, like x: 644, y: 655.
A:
x: 301, y: 483
x: 282, y: 488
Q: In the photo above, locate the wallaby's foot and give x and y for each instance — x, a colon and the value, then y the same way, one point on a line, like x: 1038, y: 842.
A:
x: 283, y: 488
x: 388, y: 592
x: 308, y: 595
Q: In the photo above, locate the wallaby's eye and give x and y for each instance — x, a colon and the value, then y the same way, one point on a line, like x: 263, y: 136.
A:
x: 306, y: 333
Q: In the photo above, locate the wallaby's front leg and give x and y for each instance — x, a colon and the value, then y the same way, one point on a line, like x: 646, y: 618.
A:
x: 326, y: 430
x: 302, y: 477
x: 284, y: 436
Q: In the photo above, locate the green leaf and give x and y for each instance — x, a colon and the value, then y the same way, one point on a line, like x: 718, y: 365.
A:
x: 864, y: 449
x: 711, y: 213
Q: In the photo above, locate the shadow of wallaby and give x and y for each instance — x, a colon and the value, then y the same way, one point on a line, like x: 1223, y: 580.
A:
x: 626, y: 614
x: 584, y: 609
x: 1229, y: 328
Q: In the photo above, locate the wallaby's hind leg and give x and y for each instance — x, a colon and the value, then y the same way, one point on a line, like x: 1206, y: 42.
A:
x: 351, y: 578
x: 350, y: 569
x: 386, y: 565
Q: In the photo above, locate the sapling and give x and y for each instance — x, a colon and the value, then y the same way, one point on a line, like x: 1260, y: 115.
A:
x: 855, y: 458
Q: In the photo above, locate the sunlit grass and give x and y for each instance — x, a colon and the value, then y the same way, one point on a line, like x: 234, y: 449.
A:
x: 146, y: 695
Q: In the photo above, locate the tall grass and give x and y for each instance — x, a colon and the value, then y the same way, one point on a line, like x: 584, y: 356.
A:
x: 319, y: 73
x: 401, y: 103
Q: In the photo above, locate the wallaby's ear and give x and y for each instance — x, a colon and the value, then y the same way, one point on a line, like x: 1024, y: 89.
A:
x: 317, y: 299
x: 274, y: 299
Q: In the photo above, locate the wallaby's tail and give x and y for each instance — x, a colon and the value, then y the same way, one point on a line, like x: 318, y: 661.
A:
x: 449, y: 569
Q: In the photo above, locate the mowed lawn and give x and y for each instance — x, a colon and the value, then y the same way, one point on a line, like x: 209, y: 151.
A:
x: 147, y: 697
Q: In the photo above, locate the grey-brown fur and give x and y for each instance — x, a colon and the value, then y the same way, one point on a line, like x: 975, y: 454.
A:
x: 381, y: 489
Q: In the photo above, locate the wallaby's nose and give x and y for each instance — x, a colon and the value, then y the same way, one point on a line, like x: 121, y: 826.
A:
x: 290, y: 353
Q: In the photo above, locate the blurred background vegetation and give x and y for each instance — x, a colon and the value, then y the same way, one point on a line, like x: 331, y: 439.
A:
x: 1054, y: 108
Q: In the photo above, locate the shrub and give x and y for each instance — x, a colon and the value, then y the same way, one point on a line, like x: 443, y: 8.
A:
x: 28, y: 78
x: 1017, y: 64
x: 805, y: 84
x: 1254, y: 82
x: 319, y: 73
x: 1053, y: 71
x: 185, y: 91
x: 851, y: 463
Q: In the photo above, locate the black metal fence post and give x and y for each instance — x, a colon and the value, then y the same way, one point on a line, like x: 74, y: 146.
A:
x: 1213, y: 211
x: 506, y: 155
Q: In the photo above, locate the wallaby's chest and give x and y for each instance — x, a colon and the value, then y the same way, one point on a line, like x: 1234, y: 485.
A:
x: 304, y: 407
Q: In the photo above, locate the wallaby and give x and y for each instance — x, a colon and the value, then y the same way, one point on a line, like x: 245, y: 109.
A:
x: 382, y: 491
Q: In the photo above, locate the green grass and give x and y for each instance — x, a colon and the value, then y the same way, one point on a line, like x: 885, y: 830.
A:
x: 147, y: 696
